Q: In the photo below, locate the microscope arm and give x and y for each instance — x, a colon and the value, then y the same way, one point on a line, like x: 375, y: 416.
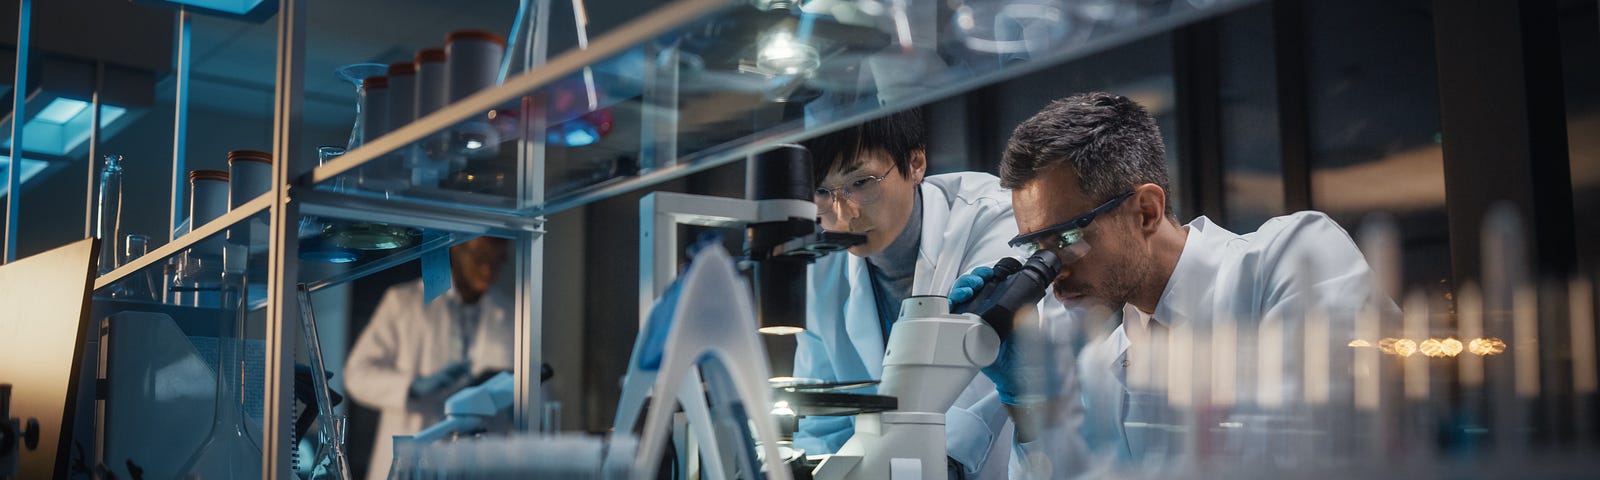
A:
x: 472, y: 407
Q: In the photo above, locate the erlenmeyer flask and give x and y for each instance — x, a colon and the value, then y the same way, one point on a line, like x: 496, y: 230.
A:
x: 383, y: 174
x: 231, y: 450
x: 313, y: 247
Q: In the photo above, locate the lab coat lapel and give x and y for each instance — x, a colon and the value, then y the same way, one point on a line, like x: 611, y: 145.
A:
x: 937, y: 269
x: 862, y: 308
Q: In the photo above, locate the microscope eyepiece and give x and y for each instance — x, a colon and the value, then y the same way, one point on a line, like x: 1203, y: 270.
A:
x: 1015, y: 284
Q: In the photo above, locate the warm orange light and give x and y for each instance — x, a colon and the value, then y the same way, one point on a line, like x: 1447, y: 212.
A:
x: 780, y: 330
x: 1405, y: 347
x: 1431, y: 347
x: 1387, y: 345
x: 1359, y: 343
x: 1451, y: 347
x: 1486, y: 346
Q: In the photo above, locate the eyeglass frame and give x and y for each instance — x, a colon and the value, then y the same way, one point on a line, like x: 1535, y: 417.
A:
x: 834, y: 197
x: 1071, y: 228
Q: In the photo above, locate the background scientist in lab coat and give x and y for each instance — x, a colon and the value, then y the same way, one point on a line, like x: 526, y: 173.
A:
x: 922, y: 232
x: 414, y: 354
x: 1089, y: 180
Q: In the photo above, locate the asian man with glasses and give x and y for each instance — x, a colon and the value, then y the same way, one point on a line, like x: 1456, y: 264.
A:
x: 922, y: 232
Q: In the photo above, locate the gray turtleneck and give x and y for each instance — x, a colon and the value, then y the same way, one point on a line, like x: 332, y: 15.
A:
x: 893, y: 269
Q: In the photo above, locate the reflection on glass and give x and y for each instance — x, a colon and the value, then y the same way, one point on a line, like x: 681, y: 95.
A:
x: 1011, y: 27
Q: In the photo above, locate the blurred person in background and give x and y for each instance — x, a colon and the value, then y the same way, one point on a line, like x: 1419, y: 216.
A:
x: 414, y: 355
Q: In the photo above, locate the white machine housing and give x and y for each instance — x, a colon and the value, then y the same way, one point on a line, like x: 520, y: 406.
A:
x: 931, y: 357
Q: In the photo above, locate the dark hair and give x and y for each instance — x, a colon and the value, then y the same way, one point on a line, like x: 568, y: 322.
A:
x: 1111, y: 142
x: 899, y: 135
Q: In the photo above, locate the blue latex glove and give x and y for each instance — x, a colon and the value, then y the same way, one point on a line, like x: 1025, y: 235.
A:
x: 445, y: 377
x: 1024, y: 371
x: 967, y: 286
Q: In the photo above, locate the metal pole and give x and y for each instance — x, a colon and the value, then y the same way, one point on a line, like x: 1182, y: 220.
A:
x: 19, y: 100
x: 180, y: 122
x: 283, y: 252
x: 90, y: 206
x: 529, y: 256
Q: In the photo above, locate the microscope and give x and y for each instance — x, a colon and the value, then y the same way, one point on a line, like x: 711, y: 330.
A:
x: 932, y: 354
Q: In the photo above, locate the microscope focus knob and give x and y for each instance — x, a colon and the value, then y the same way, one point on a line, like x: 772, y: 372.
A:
x: 981, y: 344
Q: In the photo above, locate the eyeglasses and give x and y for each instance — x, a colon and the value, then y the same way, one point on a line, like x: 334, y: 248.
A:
x: 862, y: 190
x: 1066, y: 237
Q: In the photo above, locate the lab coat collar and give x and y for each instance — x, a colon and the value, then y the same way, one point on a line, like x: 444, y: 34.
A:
x: 1191, y: 281
x: 866, y: 337
x: 935, y: 216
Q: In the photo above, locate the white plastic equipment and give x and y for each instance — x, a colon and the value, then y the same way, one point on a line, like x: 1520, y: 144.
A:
x: 931, y: 357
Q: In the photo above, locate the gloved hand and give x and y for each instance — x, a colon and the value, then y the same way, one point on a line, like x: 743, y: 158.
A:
x: 1024, y: 372
x: 967, y: 286
x: 449, y: 375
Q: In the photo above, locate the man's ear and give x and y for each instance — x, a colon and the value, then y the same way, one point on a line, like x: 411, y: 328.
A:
x: 917, y: 165
x: 1151, y: 201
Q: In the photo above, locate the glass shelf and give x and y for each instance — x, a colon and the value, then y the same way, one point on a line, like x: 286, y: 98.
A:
x: 702, y: 83
x: 186, y: 272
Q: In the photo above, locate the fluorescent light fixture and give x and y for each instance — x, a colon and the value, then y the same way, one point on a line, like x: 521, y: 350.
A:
x: 62, y: 126
x: 62, y: 110
x: 30, y: 168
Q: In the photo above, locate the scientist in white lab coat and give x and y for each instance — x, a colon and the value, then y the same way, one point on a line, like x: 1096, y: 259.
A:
x: 414, y: 355
x: 1089, y: 180
x: 922, y: 232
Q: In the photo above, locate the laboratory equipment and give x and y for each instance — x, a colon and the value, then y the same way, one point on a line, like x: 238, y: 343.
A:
x: 782, y: 235
x: 931, y: 356
x: 472, y: 63
x: 108, y: 211
x: 231, y: 449
x: 142, y: 285
x: 705, y: 337
x: 208, y: 199
x: 249, y: 176
x: 330, y: 460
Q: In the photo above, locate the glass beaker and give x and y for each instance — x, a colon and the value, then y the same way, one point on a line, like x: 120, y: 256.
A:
x: 140, y: 285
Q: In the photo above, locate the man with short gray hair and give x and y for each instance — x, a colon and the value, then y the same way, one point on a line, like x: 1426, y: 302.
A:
x: 1089, y: 181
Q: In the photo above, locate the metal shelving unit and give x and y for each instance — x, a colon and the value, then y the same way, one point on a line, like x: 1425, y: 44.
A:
x: 689, y: 88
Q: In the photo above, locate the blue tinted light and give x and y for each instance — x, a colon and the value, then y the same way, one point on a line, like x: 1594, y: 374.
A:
x: 30, y: 168
x: 62, y: 110
x: 62, y: 126
x: 237, y: 7
x: 575, y: 133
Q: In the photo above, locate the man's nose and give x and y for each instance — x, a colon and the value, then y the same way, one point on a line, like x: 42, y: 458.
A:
x: 845, y: 209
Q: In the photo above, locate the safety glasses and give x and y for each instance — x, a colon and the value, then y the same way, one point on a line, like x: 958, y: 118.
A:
x: 1066, y: 238
x: 863, y: 190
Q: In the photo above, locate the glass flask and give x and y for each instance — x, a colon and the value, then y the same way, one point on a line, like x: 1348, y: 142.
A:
x: 312, y: 246
x: 108, y: 212
x: 231, y: 449
x: 380, y: 173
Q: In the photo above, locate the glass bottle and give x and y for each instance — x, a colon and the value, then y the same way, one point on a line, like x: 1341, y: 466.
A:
x: 108, y: 212
x: 231, y: 450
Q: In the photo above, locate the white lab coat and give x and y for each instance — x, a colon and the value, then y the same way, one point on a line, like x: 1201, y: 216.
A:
x: 408, y: 339
x: 966, y: 222
x: 1294, y: 263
